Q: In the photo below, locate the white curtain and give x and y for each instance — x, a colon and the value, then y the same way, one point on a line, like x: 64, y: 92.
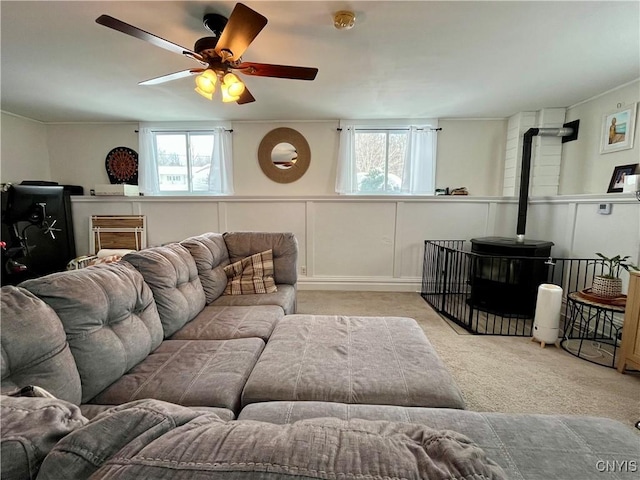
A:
x: 418, y: 177
x: 222, y: 162
x: 221, y: 168
x: 346, y: 177
x: 147, y: 163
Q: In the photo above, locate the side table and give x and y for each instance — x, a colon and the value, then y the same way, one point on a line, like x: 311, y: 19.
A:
x: 590, y: 332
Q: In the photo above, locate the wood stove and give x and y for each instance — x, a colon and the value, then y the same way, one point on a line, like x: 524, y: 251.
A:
x: 506, y: 274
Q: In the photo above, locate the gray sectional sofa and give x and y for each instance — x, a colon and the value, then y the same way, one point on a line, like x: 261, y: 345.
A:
x: 158, y: 374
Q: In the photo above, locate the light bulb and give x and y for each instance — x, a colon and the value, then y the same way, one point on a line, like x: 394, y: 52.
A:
x: 234, y: 86
x: 206, y: 83
x: 236, y: 89
x: 226, y: 96
x: 207, y: 95
x: 230, y: 78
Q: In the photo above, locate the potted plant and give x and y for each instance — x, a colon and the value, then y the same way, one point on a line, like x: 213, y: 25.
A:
x: 609, y: 284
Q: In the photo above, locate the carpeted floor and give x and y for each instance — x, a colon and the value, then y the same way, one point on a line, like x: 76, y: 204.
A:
x: 501, y: 374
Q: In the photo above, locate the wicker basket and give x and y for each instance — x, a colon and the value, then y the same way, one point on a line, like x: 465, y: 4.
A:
x: 607, y: 287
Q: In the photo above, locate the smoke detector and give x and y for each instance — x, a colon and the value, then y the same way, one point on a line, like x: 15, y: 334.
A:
x: 344, y: 20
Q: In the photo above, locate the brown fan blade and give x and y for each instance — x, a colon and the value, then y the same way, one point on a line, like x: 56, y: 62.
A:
x: 123, y: 27
x: 278, y: 71
x: 172, y: 76
x: 243, y: 26
x: 246, y: 97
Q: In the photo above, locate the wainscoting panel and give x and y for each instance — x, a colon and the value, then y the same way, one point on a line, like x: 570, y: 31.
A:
x: 610, y: 234
x: 172, y: 222
x: 550, y: 222
x: 439, y: 220
x: 267, y: 216
x: 354, y: 238
x: 368, y: 243
x: 505, y: 219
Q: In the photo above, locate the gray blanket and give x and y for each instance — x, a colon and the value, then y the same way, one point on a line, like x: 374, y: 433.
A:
x: 153, y: 439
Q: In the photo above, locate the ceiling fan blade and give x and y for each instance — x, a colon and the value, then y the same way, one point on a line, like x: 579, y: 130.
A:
x: 243, y: 26
x: 278, y: 71
x: 246, y: 97
x: 123, y: 27
x: 172, y: 76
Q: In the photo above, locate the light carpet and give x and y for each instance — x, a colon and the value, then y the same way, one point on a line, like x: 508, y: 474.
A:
x: 495, y: 373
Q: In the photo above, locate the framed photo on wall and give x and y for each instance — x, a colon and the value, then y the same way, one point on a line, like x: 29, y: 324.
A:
x: 616, y: 184
x: 618, y: 129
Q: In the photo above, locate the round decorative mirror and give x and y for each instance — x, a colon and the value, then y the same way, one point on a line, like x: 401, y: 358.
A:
x: 284, y: 155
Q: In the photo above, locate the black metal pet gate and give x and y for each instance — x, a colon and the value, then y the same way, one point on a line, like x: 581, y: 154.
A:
x: 495, y: 294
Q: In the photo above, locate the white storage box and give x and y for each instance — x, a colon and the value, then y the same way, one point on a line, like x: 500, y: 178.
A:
x: 118, y: 189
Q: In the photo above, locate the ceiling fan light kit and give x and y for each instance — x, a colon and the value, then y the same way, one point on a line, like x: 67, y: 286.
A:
x: 231, y: 90
x: 220, y: 54
x: 206, y: 83
x: 230, y: 85
x: 344, y: 20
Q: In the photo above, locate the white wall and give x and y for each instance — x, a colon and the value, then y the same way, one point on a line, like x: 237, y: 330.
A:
x: 584, y: 169
x: 470, y: 153
x: 24, y: 151
x: 319, y: 178
x: 362, y: 242
x: 78, y: 152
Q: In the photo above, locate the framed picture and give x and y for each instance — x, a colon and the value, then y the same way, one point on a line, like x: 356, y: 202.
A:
x: 618, y: 129
x: 619, y: 174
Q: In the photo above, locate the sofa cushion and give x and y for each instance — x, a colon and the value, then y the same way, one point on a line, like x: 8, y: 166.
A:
x: 30, y: 427
x: 526, y: 446
x: 253, y: 274
x: 285, y: 297
x: 209, y: 251
x: 42, y: 357
x: 285, y: 251
x: 109, y: 317
x: 172, y: 275
x: 208, y: 373
x: 226, y: 323
x: 154, y: 440
x: 90, y: 411
x: 377, y: 360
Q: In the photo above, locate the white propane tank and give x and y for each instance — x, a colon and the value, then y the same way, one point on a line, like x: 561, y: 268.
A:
x: 546, y: 323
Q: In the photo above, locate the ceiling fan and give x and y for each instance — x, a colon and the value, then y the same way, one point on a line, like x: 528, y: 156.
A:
x: 219, y: 54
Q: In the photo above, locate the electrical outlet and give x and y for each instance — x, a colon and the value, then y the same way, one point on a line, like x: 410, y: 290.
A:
x: 303, y: 270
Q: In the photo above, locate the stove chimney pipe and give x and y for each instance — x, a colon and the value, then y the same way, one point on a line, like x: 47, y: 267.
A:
x: 569, y: 132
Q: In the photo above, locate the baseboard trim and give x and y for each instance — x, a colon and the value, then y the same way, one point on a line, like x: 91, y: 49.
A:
x: 363, y: 284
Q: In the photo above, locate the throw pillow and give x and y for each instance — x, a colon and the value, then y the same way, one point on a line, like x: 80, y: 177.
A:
x: 252, y: 274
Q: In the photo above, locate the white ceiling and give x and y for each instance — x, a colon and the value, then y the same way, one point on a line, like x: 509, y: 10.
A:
x: 402, y: 59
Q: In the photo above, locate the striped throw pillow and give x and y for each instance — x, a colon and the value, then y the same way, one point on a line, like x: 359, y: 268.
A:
x: 253, y: 274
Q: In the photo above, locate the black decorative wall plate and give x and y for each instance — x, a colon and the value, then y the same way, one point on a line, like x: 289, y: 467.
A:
x: 122, y: 165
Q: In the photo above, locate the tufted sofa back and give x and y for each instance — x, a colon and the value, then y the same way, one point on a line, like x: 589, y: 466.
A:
x: 109, y: 316
x: 284, y: 246
x: 172, y: 274
x: 34, y: 347
x: 210, y: 253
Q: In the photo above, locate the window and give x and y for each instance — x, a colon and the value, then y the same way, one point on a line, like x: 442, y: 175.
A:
x: 381, y: 160
x: 185, y: 161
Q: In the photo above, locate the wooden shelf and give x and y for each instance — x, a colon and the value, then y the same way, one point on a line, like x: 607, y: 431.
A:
x: 630, y: 346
